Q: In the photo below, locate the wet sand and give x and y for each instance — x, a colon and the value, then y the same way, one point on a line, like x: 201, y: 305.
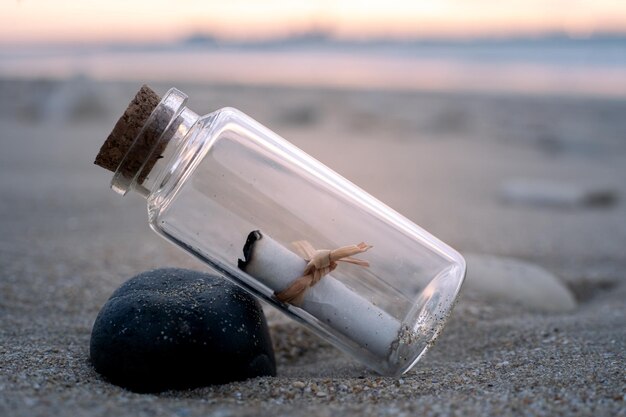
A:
x: 67, y: 241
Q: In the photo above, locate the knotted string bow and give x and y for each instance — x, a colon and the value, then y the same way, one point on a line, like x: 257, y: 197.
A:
x: 320, y: 263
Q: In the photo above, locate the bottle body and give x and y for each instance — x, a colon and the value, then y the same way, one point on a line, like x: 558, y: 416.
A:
x: 231, y: 184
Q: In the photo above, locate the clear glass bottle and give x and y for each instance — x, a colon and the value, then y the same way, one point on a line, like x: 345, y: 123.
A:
x: 217, y: 184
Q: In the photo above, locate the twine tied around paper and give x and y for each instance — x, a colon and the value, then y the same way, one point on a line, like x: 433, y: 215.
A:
x: 320, y: 263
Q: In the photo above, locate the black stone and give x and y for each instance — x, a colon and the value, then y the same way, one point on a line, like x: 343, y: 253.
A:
x: 177, y: 329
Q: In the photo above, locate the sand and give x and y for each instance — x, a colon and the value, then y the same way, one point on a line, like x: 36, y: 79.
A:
x: 67, y: 241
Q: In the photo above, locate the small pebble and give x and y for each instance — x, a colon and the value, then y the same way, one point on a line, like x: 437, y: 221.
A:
x: 298, y: 384
x: 555, y: 194
x: 526, y: 284
x: 176, y: 329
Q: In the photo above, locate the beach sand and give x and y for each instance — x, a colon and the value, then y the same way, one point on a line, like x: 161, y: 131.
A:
x: 67, y: 241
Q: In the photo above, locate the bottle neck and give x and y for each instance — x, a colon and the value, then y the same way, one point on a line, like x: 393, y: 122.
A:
x: 156, y: 146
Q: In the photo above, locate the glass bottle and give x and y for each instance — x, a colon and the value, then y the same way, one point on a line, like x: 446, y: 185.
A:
x: 237, y: 196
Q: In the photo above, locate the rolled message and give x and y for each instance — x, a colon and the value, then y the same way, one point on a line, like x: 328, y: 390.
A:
x: 329, y: 300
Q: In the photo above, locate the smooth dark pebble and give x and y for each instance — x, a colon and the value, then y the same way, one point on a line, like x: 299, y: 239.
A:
x: 177, y: 329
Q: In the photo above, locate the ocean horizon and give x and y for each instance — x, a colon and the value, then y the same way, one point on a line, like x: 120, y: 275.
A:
x: 549, y: 65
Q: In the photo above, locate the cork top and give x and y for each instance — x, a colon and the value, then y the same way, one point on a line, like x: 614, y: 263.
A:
x: 127, y: 130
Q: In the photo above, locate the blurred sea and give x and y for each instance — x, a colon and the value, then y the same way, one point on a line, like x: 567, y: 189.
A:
x: 552, y: 65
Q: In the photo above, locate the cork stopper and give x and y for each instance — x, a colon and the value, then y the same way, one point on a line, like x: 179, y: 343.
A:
x: 134, y: 141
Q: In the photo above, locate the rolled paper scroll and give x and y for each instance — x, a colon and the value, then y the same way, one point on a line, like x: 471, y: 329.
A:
x: 329, y: 300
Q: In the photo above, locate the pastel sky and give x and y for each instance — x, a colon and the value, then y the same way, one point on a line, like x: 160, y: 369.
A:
x: 26, y: 21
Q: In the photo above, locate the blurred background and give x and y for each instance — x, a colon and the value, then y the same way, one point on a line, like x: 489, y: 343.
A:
x: 497, y: 125
x: 533, y: 46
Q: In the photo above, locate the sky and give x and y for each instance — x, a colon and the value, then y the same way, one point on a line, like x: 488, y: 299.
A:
x: 85, y: 21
